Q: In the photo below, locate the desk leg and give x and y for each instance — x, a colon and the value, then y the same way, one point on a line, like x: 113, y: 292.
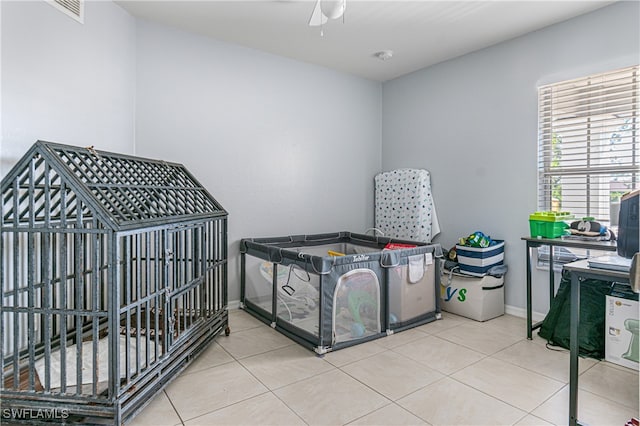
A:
x: 574, y: 347
x: 529, y: 309
x: 552, y: 277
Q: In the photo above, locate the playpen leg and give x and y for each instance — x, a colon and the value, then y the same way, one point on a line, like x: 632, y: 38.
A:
x: 227, y: 331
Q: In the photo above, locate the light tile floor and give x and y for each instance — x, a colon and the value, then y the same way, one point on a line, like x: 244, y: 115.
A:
x: 453, y: 371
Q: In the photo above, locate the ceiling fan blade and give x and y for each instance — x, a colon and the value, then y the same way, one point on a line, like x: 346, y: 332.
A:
x: 317, y: 17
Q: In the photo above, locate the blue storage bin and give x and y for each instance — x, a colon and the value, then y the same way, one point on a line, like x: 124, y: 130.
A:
x: 477, y: 261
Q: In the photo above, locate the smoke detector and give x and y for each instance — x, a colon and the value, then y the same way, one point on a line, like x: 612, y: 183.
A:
x: 384, y: 55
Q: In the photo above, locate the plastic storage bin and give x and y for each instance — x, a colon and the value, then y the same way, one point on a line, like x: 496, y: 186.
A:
x: 477, y: 261
x: 480, y: 299
x: 548, y: 224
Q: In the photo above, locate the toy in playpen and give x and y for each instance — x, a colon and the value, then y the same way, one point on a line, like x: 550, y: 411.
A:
x: 356, y: 308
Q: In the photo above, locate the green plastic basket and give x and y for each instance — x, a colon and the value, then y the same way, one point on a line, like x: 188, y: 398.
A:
x: 548, y: 224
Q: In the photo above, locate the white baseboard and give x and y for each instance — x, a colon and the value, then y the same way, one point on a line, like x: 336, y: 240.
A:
x: 522, y: 313
x: 510, y: 310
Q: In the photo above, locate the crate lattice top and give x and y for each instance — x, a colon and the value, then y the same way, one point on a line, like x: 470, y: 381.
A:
x: 62, y: 183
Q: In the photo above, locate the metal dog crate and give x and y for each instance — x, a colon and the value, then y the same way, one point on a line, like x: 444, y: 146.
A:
x: 114, y: 277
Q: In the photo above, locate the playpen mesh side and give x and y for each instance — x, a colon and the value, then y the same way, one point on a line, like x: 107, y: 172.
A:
x: 356, y: 306
x: 298, y: 285
x: 352, y: 283
x: 297, y: 296
x: 412, y: 289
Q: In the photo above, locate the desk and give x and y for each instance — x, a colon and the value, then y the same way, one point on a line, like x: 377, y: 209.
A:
x: 552, y: 242
x: 581, y: 270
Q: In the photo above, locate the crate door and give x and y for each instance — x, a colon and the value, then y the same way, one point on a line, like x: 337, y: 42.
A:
x: 185, y: 279
x: 356, y: 306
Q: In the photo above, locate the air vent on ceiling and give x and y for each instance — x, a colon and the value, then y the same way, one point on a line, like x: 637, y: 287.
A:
x: 73, y: 8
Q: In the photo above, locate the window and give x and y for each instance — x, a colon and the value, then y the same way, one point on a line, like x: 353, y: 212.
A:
x: 588, y: 143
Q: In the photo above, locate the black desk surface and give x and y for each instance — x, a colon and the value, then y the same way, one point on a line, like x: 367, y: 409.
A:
x: 568, y: 242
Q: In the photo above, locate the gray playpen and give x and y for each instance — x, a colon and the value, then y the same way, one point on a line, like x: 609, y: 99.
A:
x: 329, y: 291
x: 114, y: 277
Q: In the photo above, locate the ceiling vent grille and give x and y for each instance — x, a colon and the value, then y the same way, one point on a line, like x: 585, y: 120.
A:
x: 72, y: 8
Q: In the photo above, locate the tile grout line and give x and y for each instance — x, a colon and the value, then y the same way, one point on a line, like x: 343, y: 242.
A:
x: 164, y: 391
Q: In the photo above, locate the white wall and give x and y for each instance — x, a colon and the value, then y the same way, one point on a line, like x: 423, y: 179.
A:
x: 472, y: 122
x: 286, y: 147
x: 289, y: 147
x: 64, y: 81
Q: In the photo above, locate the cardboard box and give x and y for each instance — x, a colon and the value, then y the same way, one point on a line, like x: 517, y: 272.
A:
x: 621, y: 330
x: 480, y: 299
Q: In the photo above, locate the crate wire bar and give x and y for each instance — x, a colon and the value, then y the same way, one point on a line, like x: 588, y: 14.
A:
x: 113, y: 277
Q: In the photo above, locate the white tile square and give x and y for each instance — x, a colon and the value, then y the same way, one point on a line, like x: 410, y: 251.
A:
x: 212, y: 356
x: 196, y: 394
x: 448, y: 402
x: 391, y: 374
x: 241, y: 320
x: 508, y: 324
x: 263, y: 409
x: 447, y: 322
x: 530, y: 420
x: 353, y: 353
x: 514, y: 385
x: 480, y: 338
x: 532, y: 356
x: 332, y: 398
x: 284, y: 366
x: 619, y: 385
x: 253, y: 341
x: 159, y: 412
x: 389, y: 415
x: 439, y: 354
x: 592, y: 409
x: 401, y: 338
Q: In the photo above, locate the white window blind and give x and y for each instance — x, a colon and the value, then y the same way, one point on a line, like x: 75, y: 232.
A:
x: 588, y: 143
